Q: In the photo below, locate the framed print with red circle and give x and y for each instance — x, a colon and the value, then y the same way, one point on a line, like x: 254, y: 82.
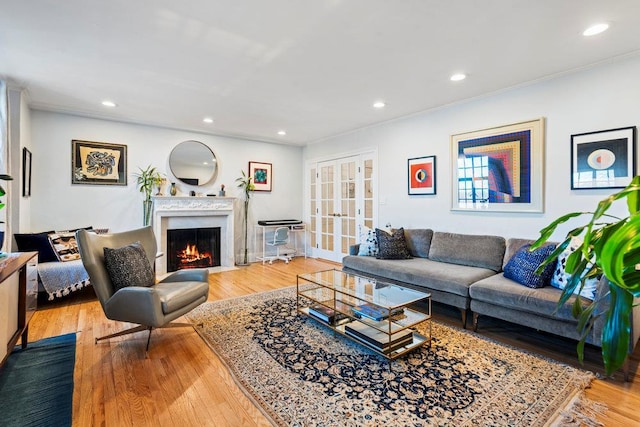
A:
x: 422, y: 175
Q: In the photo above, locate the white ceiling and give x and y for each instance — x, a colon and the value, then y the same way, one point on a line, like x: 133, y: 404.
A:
x: 311, y: 67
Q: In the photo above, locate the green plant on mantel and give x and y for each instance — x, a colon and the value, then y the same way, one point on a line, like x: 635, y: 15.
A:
x: 147, y: 179
x: 611, y: 246
x: 245, y: 182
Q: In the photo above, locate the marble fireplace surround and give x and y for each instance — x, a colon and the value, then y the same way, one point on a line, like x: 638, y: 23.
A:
x: 177, y: 212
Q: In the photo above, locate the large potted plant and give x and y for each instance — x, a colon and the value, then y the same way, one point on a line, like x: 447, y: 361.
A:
x: 610, y: 246
x: 3, y: 177
x: 148, y: 179
x: 246, y: 184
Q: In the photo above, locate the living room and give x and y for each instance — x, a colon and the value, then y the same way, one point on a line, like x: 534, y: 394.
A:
x: 582, y: 98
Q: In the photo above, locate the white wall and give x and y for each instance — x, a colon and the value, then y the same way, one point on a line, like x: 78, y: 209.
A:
x: 56, y: 204
x: 19, y: 134
x: 600, y: 98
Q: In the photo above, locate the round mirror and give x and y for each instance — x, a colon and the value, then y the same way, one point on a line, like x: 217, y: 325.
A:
x: 193, y: 163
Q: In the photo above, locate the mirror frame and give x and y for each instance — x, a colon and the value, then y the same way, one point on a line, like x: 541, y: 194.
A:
x: 196, y: 162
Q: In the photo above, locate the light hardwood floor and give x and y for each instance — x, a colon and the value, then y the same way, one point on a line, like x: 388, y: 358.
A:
x: 183, y: 383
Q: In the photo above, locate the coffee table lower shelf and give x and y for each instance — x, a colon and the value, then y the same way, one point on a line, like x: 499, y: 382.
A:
x: 418, y: 341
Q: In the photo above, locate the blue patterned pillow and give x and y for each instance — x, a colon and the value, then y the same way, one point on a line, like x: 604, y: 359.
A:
x: 523, y: 265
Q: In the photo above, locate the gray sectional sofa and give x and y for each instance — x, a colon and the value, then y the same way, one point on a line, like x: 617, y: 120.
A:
x: 465, y: 271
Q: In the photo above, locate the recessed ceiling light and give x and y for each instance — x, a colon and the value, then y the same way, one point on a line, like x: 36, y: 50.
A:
x: 379, y: 104
x: 595, y: 29
x: 282, y: 133
x: 207, y: 120
x: 457, y: 77
x: 107, y: 103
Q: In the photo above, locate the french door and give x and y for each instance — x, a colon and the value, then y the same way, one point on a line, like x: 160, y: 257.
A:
x: 342, y: 200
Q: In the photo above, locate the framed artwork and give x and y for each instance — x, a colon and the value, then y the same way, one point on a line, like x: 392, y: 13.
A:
x: 98, y: 163
x: 421, y: 175
x: 499, y: 169
x: 603, y: 159
x: 26, y: 172
x: 261, y: 174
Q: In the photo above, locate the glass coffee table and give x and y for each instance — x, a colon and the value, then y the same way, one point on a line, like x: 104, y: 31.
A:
x: 379, y: 315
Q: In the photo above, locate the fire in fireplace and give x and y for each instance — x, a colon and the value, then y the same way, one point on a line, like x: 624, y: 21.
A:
x: 193, y: 248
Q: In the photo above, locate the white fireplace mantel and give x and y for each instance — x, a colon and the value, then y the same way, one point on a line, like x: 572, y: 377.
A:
x: 177, y: 212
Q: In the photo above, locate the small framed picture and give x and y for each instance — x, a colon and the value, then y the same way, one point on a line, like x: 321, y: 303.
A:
x: 261, y: 174
x: 421, y: 175
x: 26, y: 172
x: 98, y: 163
x: 603, y: 159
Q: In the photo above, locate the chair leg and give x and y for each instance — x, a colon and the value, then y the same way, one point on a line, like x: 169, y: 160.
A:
x: 125, y: 332
x: 140, y: 328
x: 146, y: 350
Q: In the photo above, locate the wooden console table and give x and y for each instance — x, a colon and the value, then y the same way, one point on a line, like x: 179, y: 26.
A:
x: 18, y: 299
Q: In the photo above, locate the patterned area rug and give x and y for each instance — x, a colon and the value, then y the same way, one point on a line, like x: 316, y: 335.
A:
x: 299, y: 373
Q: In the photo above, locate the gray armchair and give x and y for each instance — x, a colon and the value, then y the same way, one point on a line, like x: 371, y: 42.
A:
x: 150, y: 307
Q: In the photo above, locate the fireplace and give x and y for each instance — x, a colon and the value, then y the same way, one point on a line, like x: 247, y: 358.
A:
x: 177, y: 212
x: 193, y: 248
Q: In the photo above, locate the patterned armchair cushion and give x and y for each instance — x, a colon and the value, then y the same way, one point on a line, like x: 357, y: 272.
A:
x: 128, y: 266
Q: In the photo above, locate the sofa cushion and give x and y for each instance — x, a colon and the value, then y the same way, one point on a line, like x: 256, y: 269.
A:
x: 421, y: 272
x: 368, y: 242
x: 128, y: 266
x: 467, y: 249
x: 560, y: 277
x: 418, y: 241
x: 523, y: 265
x: 37, y: 242
x: 65, y: 245
x: 392, y: 245
x: 500, y: 291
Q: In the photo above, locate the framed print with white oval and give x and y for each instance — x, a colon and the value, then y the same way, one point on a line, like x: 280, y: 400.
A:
x: 603, y: 159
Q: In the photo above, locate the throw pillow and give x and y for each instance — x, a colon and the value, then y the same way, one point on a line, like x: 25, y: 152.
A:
x: 37, y: 242
x: 65, y: 245
x: 368, y: 242
x: 128, y: 266
x: 561, y: 277
x: 523, y: 265
x: 392, y: 246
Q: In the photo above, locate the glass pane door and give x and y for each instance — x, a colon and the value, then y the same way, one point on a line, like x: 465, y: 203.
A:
x: 341, y: 201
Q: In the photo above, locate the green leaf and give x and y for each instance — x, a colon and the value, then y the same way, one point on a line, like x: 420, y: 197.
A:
x: 547, y: 231
x: 552, y: 256
x: 617, y: 329
x: 613, y: 257
x: 633, y: 199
